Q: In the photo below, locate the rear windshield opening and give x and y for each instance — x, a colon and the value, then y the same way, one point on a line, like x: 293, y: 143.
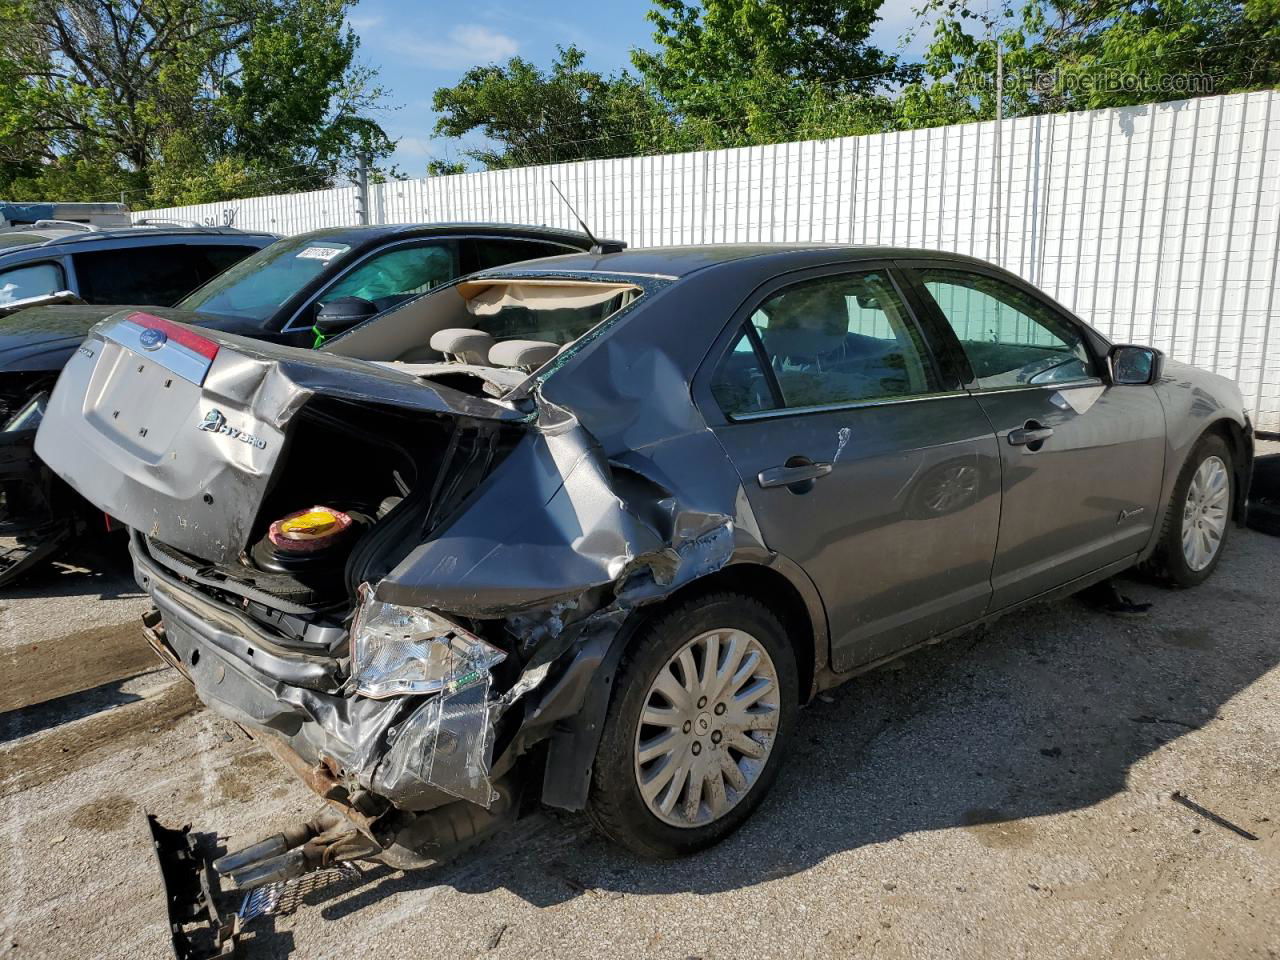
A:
x: 487, y: 336
x: 556, y: 312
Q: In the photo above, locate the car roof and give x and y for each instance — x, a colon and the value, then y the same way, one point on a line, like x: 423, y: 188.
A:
x: 379, y: 233
x: 679, y: 261
x: 23, y: 238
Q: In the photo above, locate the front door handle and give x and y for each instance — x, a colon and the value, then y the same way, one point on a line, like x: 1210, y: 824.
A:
x: 796, y: 470
x: 1030, y: 433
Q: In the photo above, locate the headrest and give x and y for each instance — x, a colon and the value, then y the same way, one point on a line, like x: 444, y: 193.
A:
x: 522, y: 353
x: 469, y: 346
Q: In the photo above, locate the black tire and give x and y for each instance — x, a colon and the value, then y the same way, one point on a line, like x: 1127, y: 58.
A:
x: 1168, y: 562
x: 1264, y: 496
x: 616, y: 806
x: 1264, y: 516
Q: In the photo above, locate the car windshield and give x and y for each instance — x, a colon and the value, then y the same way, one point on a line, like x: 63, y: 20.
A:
x: 257, y: 286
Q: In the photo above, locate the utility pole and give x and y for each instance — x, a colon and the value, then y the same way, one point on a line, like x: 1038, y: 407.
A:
x: 999, y: 257
x: 362, y: 187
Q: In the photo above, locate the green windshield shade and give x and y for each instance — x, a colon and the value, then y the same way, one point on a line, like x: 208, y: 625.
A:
x: 257, y: 286
x: 396, y: 273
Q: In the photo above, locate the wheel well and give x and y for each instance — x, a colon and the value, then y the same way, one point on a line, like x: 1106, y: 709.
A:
x: 777, y: 593
x: 1234, y: 435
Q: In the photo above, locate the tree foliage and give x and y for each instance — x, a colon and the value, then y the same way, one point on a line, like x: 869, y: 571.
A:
x: 1088, y: 54
x: 742, y: 72
x: 180, y: 101
x: 726, y: 73
x: 567, y: 112
x: 738, y: 72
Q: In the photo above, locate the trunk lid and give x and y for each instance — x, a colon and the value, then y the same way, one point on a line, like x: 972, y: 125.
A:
x: 177, y: 431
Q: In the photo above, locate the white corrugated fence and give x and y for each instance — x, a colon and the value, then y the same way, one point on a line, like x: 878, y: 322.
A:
x: 1159, y: 224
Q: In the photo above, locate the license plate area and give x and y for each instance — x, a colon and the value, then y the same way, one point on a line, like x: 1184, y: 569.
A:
x: 139, y: 403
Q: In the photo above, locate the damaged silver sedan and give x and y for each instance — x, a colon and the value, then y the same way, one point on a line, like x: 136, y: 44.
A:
x: 589, y: 531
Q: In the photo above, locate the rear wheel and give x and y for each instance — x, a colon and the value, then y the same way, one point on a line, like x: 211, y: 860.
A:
x: 703, y: 707
x: 1199, y: 517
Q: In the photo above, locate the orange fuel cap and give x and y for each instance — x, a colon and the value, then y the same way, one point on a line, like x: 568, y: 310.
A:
x: 306, y: 525
x: 307, y: 529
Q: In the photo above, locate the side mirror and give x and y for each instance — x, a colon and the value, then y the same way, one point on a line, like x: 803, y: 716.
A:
x: 1135, y: 366
x: 342, y: 314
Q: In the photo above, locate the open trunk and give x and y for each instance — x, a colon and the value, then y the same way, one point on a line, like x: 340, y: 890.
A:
x: 200, y: 440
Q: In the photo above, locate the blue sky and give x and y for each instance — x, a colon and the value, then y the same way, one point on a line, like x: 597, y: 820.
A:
x: 419, y: 45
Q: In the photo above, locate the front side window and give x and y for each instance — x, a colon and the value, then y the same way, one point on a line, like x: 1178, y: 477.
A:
x: 1010, y: 338
x: 35, y: 280
x: 394, y: 275
x: 826, y: 342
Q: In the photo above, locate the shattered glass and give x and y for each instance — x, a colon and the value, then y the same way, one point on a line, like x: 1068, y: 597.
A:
x: 407, y: 650
x: 448, y: 743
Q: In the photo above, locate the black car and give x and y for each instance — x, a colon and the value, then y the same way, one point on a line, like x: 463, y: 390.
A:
x: 275, y: 295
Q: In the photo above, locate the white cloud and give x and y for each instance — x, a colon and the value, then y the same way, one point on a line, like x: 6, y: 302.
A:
x: 467, y: 45
x: 361, y: 22
x: 414, y: 148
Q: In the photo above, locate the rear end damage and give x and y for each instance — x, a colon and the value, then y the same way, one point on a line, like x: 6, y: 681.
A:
x: 412, y: 596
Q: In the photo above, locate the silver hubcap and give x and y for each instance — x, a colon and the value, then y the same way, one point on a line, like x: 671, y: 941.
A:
x: 707, y: 728
x: 1204, y: 516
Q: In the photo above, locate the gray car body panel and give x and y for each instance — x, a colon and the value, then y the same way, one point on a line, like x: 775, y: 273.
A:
x: 629, y: 485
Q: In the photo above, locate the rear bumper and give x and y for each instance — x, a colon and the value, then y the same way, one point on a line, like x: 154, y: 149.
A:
x: 294, y: 703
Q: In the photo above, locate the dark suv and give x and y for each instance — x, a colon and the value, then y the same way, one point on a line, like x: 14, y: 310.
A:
x: 146, y: 265
x: 296, y: 291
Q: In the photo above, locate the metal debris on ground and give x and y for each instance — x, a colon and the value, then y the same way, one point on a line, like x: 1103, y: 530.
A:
x: 1179, y: 797
x: 283, y: 897
x: 495, y: 938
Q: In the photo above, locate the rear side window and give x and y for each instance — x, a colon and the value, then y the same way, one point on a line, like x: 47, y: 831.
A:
x: 152, y: 274
x: 32, y: 280
x: 1010, y: 337
x: 483, y: 253
x: 831, y: 341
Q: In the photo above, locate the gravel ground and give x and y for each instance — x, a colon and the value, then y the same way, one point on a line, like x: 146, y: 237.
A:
x: 1004, y: 794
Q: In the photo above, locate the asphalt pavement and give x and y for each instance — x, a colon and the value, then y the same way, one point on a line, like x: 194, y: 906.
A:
x: 1065, y: 784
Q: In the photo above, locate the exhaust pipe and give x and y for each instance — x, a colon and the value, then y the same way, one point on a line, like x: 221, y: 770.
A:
x: 294, y: 836
x: 320, y: 842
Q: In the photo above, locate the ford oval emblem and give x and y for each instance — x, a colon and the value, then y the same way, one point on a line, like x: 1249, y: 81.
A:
x: 152, y: 339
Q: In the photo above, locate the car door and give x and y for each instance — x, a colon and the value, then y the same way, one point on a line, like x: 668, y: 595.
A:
x: 1081, y: 460
x: 863, y: 460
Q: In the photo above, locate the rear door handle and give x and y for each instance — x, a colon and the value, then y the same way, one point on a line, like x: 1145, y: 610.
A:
x: 792, y: 473
x: 1032, y: 432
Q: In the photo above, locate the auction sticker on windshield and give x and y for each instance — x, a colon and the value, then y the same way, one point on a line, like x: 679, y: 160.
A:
x: 321, y: 253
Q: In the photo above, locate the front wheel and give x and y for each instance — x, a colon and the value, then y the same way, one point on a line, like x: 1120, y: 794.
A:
x: 704, y: 701
x: 1199, y: 516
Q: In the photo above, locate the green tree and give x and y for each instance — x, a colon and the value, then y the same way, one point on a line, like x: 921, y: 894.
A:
x: 738, y: 72
x: 567, y: 113
x: 1087, y: 54
x: 178, y: 101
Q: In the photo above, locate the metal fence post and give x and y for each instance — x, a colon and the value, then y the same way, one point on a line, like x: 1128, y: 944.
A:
x: 362, y: 188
